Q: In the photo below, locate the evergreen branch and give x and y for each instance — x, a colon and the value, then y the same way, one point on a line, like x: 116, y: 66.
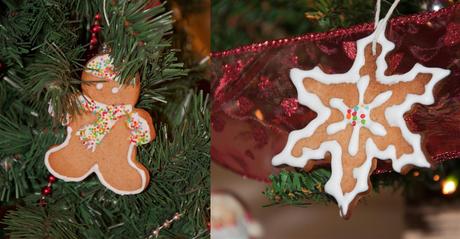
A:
x: 136, y: 36
x: 36, y: 222
x: 15, y: 138
x: 53, y: 79
x: 84, y: 9
x: 163, y: 80
x: 13, y: 184
x: 298, y: 188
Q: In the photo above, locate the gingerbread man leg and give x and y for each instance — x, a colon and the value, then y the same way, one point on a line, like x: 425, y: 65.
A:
x: 118, y: 169
x: 71, y: 160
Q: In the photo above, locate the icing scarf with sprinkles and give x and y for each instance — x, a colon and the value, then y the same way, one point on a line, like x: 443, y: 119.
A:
x: 107, y: 116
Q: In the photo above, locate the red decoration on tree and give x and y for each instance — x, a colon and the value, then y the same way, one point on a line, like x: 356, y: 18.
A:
x: 152, y: 3
x: 2, y: 66
x: 42, y: 202
x: 46, y: 191
x: 93, y: 42
x: 51, y: 179
x: 95, y: 28
x: 97, y: 17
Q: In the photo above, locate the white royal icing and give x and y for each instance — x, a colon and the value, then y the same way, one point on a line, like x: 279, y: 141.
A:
x: 393, y: 115
x: 99, y: 86
x: 95, y: 168
x: 102, y: 67
x: 115, y: 90
x: 374, y: 127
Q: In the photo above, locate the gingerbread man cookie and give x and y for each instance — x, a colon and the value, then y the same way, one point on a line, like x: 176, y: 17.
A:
x: 360, y: 118
x: 103, y: 138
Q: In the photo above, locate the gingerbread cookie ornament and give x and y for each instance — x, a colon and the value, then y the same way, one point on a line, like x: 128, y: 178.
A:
x: 360, y: 118
x: 103, y: 138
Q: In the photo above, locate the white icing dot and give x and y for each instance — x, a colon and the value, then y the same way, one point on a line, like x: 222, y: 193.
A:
x: 99, y: 86
x: 115, y: 90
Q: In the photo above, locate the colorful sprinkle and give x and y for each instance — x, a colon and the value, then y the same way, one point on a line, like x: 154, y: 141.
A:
x: 101, y: 67
x: 107, y: 115
x: 353, y: 113
x: 138, y: 133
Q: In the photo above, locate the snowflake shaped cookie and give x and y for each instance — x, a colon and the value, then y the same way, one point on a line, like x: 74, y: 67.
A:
x: 359, y: 119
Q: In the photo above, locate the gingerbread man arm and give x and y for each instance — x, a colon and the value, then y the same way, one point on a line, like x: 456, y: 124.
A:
x: 146, y: 116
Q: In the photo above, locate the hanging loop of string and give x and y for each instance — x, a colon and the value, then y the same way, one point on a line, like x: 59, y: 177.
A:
x: 379, y: 26
x: 105, y: 13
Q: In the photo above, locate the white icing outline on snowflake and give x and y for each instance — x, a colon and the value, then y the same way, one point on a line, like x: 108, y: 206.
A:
x: 393, y: 115
x: 374, y: 127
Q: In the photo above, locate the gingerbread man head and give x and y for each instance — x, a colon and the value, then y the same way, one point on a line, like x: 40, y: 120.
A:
x: 100, y: 83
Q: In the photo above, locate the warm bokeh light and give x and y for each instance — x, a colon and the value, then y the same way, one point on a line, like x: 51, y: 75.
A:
x: 436, y: 178
x: 449, y: 186
x: 416, y: 173
x: 259, y: 115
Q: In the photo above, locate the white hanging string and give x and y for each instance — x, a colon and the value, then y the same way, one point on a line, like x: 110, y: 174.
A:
x: 380, y: 26
x: 105, y: 13
x: 377, y: 14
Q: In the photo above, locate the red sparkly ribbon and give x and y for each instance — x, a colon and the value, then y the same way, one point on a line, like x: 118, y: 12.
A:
x: 255, y: 104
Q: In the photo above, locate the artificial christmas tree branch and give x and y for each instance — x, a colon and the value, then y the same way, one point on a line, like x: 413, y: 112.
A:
x: 54, y: 79
x: 298, y: 188
x: 143, y: 39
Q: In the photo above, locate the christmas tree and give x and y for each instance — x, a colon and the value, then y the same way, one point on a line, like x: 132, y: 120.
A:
x: 44, y: 46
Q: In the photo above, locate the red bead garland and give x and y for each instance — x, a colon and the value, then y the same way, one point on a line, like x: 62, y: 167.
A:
x: 51, y: 179
x: 93, y: 42
x: 97, y: 17
x: 46, y: 191
x: 95, y: 28
x: 2, y: 66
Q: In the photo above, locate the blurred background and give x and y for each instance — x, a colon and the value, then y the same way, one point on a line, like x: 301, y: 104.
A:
x: 422, y: 204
